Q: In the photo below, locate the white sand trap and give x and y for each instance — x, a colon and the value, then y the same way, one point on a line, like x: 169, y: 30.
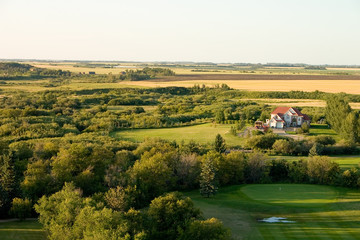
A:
x: 276, y: 220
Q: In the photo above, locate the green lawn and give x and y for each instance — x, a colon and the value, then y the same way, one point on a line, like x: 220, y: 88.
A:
x: 24, y: 230
x: 204, y: 134
x: 345, y: 161
x: 319, y: 212
x: 323, y: 129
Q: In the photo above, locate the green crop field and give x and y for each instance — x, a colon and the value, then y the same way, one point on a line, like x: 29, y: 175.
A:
x: 316, y: 212
x: 24, y: 230
x: 204, y: 133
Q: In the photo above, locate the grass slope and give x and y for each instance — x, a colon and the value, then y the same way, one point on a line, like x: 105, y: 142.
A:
x: 319, y: 212
x: 204, y: 133
x: 25, y: 230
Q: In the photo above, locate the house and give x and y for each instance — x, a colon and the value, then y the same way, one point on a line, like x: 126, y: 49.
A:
x: 283, y: 117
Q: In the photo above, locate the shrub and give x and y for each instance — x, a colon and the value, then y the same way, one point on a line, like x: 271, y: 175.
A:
x: 321, y: 170
x: 21, y: 208
x: 282, y: 146
x: 324, y: 140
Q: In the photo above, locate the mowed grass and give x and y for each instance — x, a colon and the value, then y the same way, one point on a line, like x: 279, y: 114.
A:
x: 296, y: 195
x: 345, y: 161
x: 203, y: 133
x: 24, y: 230
x: 319, y: 212
x: 323, y: 129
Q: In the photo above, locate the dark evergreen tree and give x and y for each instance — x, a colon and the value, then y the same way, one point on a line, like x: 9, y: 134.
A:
x: 207, y: 178
x: 220, y: 145
x: 316, y: 150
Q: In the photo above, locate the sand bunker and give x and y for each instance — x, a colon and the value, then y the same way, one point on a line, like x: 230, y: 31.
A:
x: 276, y: 220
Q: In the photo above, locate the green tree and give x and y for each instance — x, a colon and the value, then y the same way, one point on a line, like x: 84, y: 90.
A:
x: 21, y: 208
x: 170, y: 214
x: 59, y: 211
x: 256, y: 168
x: 342, y: 119
x: 316, y: 150
x: 219, y: 145
x: 305, y: 128
x: 208, y: 183
x: 220, y: 116
x: 210, y: 229
x: 233, y: 131
x: 37, y: 180
x: 120, y: 199
x: 7, y: 175
x: 322, y: 170
x: 152, y: 176
x: 282, y: 146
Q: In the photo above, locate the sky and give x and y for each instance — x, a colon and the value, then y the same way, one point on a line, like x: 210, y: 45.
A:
x: 227, y: 31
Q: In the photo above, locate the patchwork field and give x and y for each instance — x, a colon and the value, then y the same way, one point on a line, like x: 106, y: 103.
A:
x: 204, y: 134
x: 317, y: 212
x: 25, y: 230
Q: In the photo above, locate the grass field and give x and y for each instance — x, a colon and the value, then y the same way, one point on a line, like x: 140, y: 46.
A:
x: 204, y: 134
x: 319, y: 212
x: 25, y: 230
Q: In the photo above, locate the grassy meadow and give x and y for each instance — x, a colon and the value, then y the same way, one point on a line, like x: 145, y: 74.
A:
x: 318, y: 212
x: 203, y: 133
x: 22, y: 230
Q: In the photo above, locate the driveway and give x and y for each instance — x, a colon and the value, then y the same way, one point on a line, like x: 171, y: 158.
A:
x: 281, y: 132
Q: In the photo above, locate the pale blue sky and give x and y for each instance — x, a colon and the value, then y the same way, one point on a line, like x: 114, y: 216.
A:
x: 306, y: 31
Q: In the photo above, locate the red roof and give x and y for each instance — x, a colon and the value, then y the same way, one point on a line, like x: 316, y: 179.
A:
x: 283, y: 110
x: 306, y: 117
x: 280, y: 110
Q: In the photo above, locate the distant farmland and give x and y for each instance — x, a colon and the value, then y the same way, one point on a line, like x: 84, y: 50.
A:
x: 197, y: 77
x: 332, y: 86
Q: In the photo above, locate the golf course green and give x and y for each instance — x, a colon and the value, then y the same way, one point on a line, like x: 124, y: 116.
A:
x: 314, y: 211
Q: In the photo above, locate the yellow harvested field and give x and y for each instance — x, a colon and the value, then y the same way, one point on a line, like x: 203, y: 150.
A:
x: 294, y: 102
x: 70, y: 67
x: 332, y: 86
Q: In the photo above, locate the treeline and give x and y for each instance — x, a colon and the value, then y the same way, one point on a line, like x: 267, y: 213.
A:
x: 316, y: 145
x: 13, y: 70
x: 146, y: 73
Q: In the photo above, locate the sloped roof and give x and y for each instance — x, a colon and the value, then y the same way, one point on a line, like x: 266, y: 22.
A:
x: 306, y: 117
x: 280, y: 110
x: 283, y: 110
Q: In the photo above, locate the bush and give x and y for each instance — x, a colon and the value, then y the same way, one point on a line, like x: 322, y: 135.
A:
x: 321, y: 170
x: 324, y: 140
x: 263, y: 141
x: 21, y: 208
x: 282, y: 146
x: 210, y: 229
x: 305, y: 128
